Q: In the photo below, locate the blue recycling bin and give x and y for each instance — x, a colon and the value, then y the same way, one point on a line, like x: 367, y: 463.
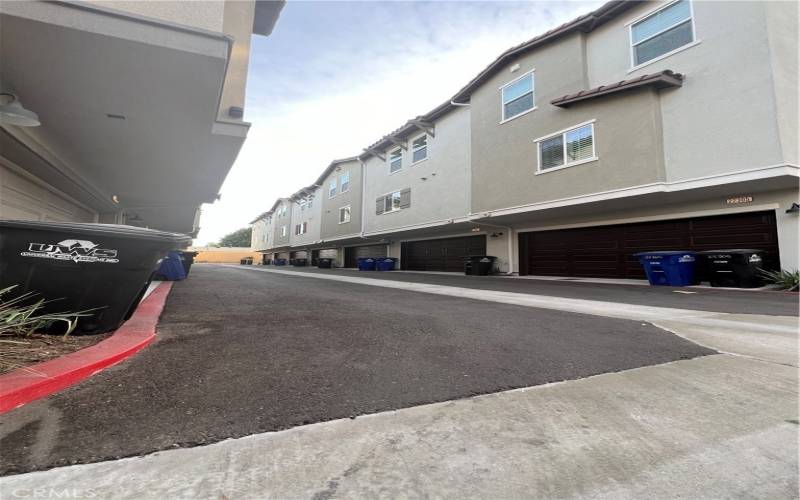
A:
x: 668, y: 268
x: 171, y: 267
x: 366, y: 264
x: 386, y: 264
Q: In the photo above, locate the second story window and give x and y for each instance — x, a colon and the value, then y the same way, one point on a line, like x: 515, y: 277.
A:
x: 517, y: 96
x: 570, y: 147
x: 344, y: 182
x: 395, y: 160
x: 283, y: 230
x: 301, y: 228
x: 332, y: 189
x: 393, y: 202
x: 419, y: 149
x: 662, y: 32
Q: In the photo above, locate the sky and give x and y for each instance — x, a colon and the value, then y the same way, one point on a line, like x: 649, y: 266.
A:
x: 334, y: 77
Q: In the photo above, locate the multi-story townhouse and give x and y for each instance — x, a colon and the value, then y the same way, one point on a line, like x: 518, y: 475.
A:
x: 281, y: 229
x: 641, y: 126
x: 263, y: 235
x: 139, y: 104
x: 340, y: 197
x: 416, y: 192
x: 305, y: 223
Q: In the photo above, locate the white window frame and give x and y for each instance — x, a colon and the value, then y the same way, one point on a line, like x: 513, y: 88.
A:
x: 532, y: 74
x: 341, y: 184
x: 648, y: 14
x: 283, y: 231
x: 390, y: 195
x: 332, y: 187
x: 414, y: 150
x: 563, y: 134
x: 349, y: 214
x: 389, y: 160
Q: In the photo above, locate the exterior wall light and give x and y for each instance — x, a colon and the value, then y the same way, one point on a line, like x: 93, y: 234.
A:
x: 795, y: 208
x: 12, y: 113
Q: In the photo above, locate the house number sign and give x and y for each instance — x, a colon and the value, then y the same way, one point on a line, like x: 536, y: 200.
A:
x: 739, y: 200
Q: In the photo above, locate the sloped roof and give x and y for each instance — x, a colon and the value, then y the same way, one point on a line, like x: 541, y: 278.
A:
x: 331, y: 167
x: 663, y: 79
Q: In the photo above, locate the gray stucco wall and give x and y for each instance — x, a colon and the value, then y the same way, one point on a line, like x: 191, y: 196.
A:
x: 442, y: 195
x: 282, y: 220
x: 504, y: 156
x: 311, y: 216
x: 330, y: 206
x: 723, y: 119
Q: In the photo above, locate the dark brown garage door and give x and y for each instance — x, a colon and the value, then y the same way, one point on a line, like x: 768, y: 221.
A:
x: 607, y: 251
x: 441, y: 255
x: 352, y: 254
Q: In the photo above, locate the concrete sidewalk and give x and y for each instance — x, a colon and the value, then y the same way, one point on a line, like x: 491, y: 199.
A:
x: 713, y: 427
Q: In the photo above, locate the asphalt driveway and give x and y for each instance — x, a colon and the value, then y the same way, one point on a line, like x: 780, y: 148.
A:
x: 241, y: 353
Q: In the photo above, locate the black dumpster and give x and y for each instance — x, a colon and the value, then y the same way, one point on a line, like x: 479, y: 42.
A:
x: 479, y: 265
x: 187, y: 259
x: 299, y: 262
x: 324, y: 263
x: 83, y: 266
x: 736, y: 267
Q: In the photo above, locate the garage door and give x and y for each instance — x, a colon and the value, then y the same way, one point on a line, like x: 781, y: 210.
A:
x: 607, y: 251
x: 352, y: 254
x: 446, y: 254
x: 328, y: 253
x: 22, y: 198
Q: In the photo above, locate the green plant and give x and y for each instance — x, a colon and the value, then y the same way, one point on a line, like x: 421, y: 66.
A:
x: 22, y: 315
x: 786, y: 280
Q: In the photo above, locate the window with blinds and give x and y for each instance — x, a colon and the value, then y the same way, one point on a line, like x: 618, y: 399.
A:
x: 567, y: 148
x: 517, y: 96
x: 419, y: 149
x: 662, y: 32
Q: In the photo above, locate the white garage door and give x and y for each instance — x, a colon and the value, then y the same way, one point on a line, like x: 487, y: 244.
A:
x: 328, y: 253
x: 22, y: 198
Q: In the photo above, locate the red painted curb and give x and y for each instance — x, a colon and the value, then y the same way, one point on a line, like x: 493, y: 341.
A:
x: 37, y: 381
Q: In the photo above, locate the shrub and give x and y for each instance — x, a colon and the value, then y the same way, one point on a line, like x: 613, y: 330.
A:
x: 786, y: 280
x: 23, y: 316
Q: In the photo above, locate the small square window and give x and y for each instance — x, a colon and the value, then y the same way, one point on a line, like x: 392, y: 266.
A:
x: 395, y: 160
x: 566, y: 148
x: 392, y: 202
x: 419, y: 149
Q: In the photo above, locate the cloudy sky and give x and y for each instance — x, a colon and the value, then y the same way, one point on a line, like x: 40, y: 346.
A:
x: 336, y: 76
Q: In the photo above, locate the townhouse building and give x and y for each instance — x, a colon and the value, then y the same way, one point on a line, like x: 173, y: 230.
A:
x: 341, y: 190
x: 305, y: 223
x: 639, y: 126
x: 281, y: 229
x: 126, y: 112
x: 263, y: 235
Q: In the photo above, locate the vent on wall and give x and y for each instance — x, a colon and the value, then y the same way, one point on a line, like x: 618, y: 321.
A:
x: 235, y: 112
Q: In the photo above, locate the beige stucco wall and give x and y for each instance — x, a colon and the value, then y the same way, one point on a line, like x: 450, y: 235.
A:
x: 330, y: 206
x: 238, y: 24
x: 205, y: 14
x: 723, y: 119
x: 442, y: 195
x: 504, y: 156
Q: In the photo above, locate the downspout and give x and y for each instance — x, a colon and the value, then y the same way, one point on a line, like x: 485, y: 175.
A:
x: 363, y: 194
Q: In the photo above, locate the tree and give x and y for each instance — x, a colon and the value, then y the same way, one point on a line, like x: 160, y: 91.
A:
x: 238, y: 238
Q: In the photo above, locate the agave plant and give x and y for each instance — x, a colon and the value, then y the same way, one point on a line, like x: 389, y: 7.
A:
x: 786, y: 280
x: 23, y: 315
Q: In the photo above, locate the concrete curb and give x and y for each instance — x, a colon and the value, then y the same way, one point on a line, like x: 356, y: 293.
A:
x: 37, y: 381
